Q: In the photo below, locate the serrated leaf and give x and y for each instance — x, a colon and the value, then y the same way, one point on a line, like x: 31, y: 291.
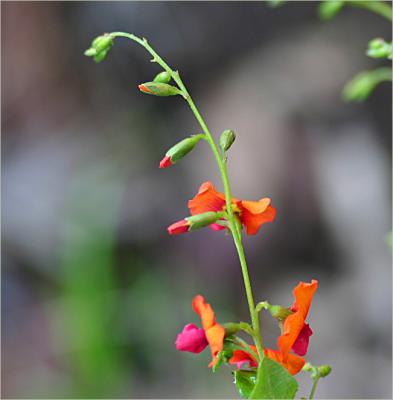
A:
x: 245, y: 382
x: 273, y: 382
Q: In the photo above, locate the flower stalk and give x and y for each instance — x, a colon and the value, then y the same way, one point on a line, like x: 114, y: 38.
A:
x: 221, y: 162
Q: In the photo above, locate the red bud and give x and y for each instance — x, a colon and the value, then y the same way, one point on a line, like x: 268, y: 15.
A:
x: 165, y: 162
x: 179, y: 227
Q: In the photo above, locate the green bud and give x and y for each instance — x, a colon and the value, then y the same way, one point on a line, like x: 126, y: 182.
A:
x: 279, y: 312
x: 100, y: 47
x: 90, y: 52
x: 360, y: 87
x: 201, y: 220
x: 226, y: 139
x: 324, y: 370
x: 328, y: 9
x: 179, y: 150
x: 378, y: 48
x: 307, y: 367
x: 102, y: 43
x: 159, y: 89
x: 163, y: 77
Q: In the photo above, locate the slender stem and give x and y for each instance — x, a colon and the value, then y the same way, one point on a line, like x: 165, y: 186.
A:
x: 379, y: 7
x: 232, y: 219
x: 314, y: 387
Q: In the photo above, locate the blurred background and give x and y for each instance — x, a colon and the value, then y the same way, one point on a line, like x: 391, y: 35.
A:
x: 94, y: 290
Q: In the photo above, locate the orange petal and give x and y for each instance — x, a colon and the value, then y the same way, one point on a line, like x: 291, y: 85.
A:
x: 205, y: 311
x: 207, y: 199
x: 256, y: 213
x: 293, y: 324
x: 293, y: 363
x: 215, y: 337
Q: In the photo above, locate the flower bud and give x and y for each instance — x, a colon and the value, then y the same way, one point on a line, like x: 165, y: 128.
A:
x: 279, y: 312
x: 201, y: 220
x: 179, y: 150
x: 100, y: 47
x: 360, y: 87
x: 194, y: 222
x: 324, y: 370
x: 378, y: 48
x: 159, y: 89
x: 328, y: 9
x: 163, y: 77
x: 226, y: 139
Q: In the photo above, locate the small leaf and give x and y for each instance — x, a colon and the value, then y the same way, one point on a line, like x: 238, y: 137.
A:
x: 273, y: 382
x: 245, y: 382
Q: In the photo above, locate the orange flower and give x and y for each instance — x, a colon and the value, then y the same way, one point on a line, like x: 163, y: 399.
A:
x: 292, y: 363
x: 294, y: 328
x: 214, y: 332
x: 295, y: 334
x: 252, y: 214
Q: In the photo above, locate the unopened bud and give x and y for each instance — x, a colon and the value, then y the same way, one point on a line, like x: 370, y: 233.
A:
x: 179, y: 150
x: 163, y: 77
x: 226, y: 139
x: 360, y: 87
x: 100, y: 47
x: 328, y: 9
x: 279, y: 312
x: 201, y: 220
x: 194, y: 222
x: 159, y: 89
x: 324, y: 370
x: 378, y: 48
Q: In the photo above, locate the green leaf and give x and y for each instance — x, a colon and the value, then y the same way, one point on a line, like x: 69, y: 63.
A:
x: 273, y: 382
x: 245, y: 382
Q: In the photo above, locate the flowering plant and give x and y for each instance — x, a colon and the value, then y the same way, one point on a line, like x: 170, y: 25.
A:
x: 261, y: 372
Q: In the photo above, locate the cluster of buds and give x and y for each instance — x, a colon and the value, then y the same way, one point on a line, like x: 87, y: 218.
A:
x: 100, y: 47
x: 379, y: 48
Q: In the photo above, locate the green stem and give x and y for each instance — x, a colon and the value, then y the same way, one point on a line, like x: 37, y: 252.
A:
x: 314, y: 387
x: 379, y: 7
x: 232, y: 219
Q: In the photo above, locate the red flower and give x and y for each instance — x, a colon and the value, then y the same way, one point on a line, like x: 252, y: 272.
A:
x: 191, y: 338
x: 252, y: 214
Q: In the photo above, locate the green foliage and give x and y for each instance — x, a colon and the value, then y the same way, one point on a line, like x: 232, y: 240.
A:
x: 245, y: 382
x: 273, y: 382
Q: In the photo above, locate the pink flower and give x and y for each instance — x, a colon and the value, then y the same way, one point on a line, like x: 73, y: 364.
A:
x: 192, y: 339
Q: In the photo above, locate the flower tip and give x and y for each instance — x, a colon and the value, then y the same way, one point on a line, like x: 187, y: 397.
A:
x: 182, y: 226
x: 144, y: 89
x: 166, y: 162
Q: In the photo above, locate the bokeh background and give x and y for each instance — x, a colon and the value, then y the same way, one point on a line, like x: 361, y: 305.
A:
x: 94, y: 290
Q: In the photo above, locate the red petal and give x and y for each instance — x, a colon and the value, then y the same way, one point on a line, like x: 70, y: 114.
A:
x: 179, y: 227
x: 165, y: 162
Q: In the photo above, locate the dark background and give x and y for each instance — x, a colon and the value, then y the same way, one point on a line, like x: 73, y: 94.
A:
x: 94, y: 290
